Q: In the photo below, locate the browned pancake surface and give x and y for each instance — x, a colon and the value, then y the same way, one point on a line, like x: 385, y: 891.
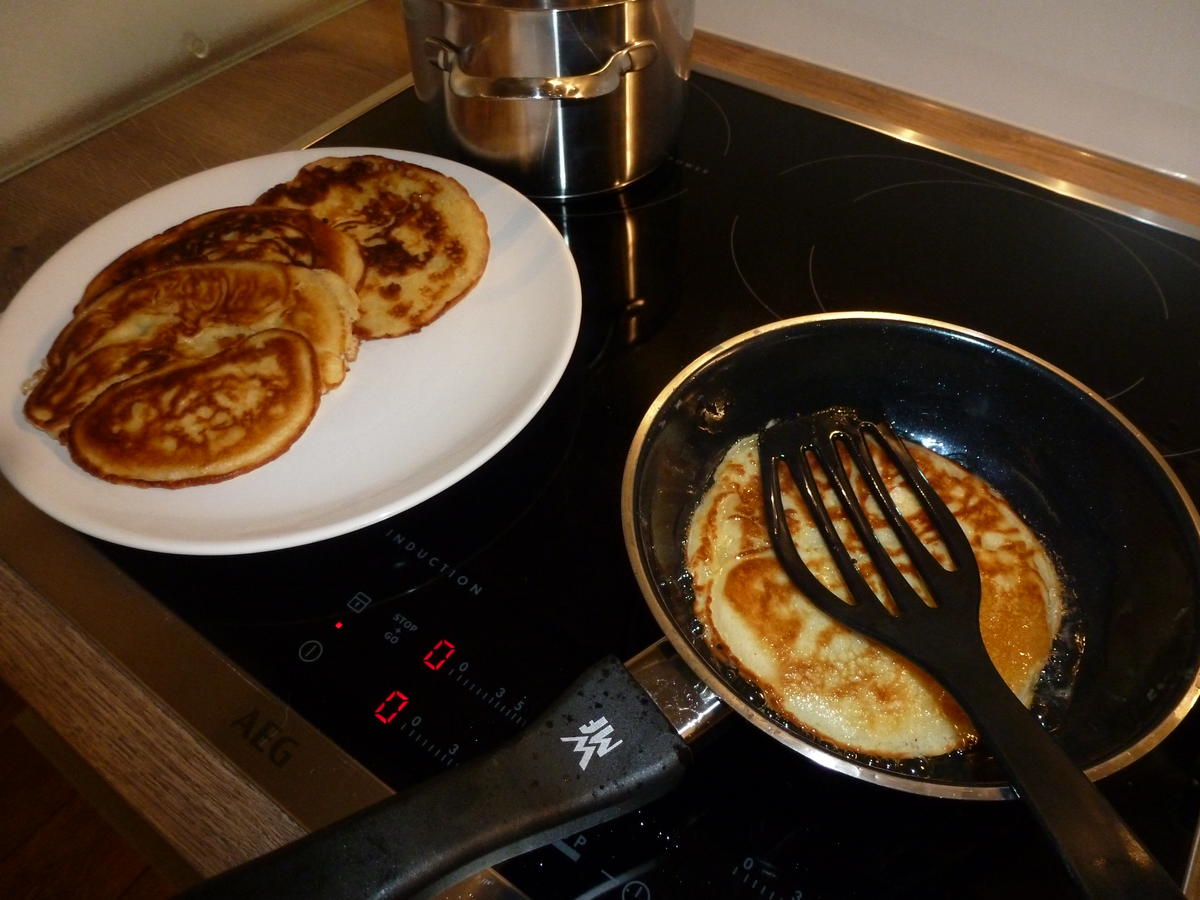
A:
x: 188, y: 358
x: 189, y: 312
x: 263, y: 233
x: 423, y: 239
x: 201, y: 421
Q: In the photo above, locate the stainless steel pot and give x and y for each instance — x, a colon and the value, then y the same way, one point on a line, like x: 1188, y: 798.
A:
x: 557, y: 97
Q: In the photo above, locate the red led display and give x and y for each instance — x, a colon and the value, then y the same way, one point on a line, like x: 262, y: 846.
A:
x: 390, y: 707
x: 436, y: 658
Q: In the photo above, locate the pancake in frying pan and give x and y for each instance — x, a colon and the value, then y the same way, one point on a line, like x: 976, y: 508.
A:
x: 823, y: 676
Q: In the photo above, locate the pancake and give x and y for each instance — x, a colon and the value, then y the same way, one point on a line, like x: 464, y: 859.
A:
x: 263, y: 233
x: 423, y: 239
x: 198, y: 421
x: 189, y: 312
x: 823, y: 676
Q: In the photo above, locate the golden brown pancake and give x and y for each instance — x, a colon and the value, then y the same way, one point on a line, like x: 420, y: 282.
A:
x: 263, y: 233
x: 174, y: 369
x: 190, y: 312
x: 826, y: 678
x: 423, y: 239
x: 198, y: 421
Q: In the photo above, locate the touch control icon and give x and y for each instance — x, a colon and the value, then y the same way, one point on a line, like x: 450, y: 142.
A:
x: 310, y: 651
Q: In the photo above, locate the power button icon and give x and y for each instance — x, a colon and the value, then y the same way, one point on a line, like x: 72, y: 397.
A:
x: 310, y: 651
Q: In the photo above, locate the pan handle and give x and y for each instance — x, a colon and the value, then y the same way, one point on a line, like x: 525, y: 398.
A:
x: 601, y: 750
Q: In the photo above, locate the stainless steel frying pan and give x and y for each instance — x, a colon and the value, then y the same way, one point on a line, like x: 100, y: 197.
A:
x: 1108, y: 506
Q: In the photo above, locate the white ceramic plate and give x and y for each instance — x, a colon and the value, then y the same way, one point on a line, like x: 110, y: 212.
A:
x: 414, y: 415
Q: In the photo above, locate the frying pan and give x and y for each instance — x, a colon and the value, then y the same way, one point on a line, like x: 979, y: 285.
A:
x: 1118, y: 521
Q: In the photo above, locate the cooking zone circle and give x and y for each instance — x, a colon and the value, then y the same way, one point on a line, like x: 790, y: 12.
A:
x: 926, y: 238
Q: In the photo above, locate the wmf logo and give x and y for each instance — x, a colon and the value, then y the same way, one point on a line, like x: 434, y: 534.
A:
x: 594, y: 738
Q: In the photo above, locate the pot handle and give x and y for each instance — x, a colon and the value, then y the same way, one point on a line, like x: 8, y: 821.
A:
x: 630, y: 58
x: 603, y: 749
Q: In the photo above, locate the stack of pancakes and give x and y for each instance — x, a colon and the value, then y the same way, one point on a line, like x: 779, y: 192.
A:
x: 203, y: 352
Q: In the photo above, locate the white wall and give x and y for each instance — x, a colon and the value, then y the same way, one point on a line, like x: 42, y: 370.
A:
x: 68, y: 67
x: 1120, y: 77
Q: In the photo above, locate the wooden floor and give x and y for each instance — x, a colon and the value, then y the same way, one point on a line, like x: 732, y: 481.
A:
x: 52, y: 843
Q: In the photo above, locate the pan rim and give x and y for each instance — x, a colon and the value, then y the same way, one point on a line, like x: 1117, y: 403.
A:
x: 810, y: 748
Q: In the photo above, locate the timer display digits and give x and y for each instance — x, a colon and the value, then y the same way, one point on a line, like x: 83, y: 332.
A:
x: 390, y: 707
x: 436, y: 658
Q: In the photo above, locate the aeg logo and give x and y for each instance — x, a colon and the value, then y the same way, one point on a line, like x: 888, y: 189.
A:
x: 266, y: 737
x: 594, y: 739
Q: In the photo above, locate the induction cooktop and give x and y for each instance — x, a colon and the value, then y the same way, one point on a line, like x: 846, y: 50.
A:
x: 423, y: 640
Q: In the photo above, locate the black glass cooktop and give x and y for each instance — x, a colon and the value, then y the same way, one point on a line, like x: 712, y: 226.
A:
x: 425, y: 639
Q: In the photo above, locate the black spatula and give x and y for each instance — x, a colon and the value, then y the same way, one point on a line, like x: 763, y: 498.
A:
x: 944, y: 638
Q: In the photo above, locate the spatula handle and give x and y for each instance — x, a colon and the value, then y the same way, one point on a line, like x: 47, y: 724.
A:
x: 603, y: 749
x: 1103, y: 855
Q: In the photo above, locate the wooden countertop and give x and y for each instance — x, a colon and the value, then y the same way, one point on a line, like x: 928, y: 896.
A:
x: 261, y: 105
